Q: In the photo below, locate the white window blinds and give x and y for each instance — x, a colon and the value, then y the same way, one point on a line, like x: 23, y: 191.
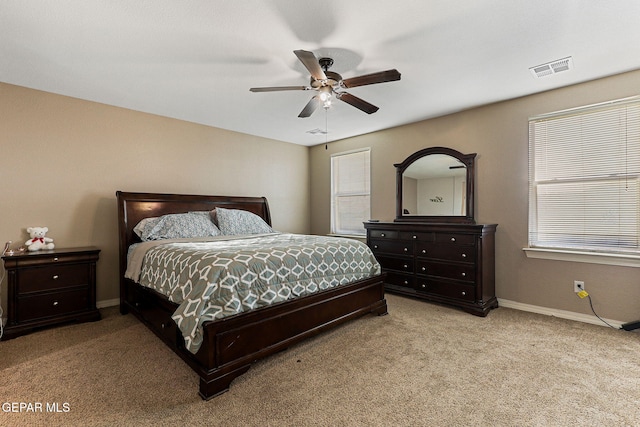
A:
x: 350, y: 192
x: 584, y: 166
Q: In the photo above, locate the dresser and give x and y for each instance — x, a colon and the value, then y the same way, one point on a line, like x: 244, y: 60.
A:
x: 50, y: 287
x: 447, y: 263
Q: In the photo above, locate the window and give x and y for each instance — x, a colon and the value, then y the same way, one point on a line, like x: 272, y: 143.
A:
x: 350, y: 192
x: 584, y: 167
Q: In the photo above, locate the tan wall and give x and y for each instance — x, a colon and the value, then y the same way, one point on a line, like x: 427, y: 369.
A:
x: 499, y: 134
x: 63, y: 159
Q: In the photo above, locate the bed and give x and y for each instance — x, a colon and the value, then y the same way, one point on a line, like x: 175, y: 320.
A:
x: 229, y: 345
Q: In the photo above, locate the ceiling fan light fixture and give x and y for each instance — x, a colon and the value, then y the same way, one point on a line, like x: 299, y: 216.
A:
x: 328, y: 83
x: 325, y: 96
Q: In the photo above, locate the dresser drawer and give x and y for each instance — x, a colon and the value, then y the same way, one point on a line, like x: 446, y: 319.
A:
x: 411, y: 235
x: 383, y: 234
x: 399, y: 264
x: 465, y: 272
x: 399, y: 279
x: 445, y: 289
x: 52, y: 277
x: 52, y: 304
x: 449, y: 252
x: 398, y: 247
x: 459, y: 239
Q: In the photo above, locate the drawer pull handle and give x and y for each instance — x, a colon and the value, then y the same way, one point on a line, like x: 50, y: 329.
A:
x: 405, y: 249
x: 453, y: 239
x: 55, y: 258
x: 424, y: 251
x: 375, y: 246
x: 463, y: 293
x: 162, y: 326
x: 424, y: 286
x: 405, y: 266
x: 415, y: 237
x: 55, y: 303
x: 464, y: 255
x: 55, y: 277
x: 382, y: 234
x: 406, y: 282
x: 424, y: 268
x: 464, y: 274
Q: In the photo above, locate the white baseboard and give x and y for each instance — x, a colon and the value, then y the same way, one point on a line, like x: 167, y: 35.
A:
x: 563, y: 314
x: 108, y: 303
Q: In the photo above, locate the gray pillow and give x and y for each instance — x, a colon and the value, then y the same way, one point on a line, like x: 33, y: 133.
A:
x: 176, y: 226
x: 236, y: 221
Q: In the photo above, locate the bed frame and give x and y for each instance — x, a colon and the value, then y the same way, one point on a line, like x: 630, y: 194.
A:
x: 232, y: 344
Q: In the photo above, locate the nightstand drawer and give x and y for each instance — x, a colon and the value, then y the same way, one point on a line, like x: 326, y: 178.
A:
x: 52, y: 277
x: 52, y: 304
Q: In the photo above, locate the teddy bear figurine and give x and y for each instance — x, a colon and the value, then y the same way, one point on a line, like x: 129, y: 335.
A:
x: 38, y: 240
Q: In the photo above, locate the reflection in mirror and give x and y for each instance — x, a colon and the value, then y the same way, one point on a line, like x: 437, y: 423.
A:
x: 435, y: 185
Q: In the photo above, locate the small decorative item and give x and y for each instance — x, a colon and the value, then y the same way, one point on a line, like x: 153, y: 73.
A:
x: 38, y: 240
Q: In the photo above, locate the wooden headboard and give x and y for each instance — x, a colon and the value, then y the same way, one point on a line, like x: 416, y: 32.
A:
x: 133, y: 207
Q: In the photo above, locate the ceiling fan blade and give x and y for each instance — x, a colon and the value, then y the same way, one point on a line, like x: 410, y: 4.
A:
x: 369, y: 79
x: 357, y: 102
x: 310, y: 61
x: 311, y: 106
x: 277, y: 88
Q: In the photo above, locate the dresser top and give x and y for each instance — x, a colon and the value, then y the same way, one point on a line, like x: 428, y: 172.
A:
x: 429, y: 226
x: 50, y: 252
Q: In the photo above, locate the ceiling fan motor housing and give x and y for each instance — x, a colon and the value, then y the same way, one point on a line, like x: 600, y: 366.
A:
x: 333, y: 80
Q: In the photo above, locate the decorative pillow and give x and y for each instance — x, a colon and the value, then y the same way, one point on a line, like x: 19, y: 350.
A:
x: 145, y: 224
x: 175, y: 226
x: 237, y: 221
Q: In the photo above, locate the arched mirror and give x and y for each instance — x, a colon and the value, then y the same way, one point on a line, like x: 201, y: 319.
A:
x: 435, y: 185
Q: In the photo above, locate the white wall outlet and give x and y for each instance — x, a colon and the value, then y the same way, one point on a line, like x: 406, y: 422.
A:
x: 578, y: 285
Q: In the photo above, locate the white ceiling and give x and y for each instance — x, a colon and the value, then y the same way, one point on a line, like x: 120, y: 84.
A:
x: 195, y: 60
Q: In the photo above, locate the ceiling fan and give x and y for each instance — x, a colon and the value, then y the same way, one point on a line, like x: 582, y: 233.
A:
x: 328, y: 83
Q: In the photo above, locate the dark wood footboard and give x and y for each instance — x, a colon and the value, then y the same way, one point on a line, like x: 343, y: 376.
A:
x: 232, y: 344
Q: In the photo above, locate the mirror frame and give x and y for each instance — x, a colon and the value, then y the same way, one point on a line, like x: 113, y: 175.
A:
x: 467, y: 159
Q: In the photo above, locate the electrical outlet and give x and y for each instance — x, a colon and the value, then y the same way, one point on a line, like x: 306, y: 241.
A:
x: 578, y: 286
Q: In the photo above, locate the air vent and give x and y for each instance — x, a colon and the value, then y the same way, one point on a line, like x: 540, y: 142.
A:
x: 553, y: 67
x: 316, y: 131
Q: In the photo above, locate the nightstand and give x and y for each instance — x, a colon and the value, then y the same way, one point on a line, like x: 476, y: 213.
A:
x: 50, y: 287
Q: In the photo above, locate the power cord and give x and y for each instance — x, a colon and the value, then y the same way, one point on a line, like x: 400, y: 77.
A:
x: 584, y: 294
x: 6, y: 248
x: 594, y: 312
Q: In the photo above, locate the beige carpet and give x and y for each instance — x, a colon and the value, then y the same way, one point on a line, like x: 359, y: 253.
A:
x: 422, y: 365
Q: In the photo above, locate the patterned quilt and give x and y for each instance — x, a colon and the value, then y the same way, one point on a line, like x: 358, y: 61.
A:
x: 214, y: 279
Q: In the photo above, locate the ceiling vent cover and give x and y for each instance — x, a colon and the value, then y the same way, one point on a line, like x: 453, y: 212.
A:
x: 553, y: 67
x: 316, y: 131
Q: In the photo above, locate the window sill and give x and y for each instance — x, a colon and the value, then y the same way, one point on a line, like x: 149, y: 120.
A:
x: 624, y: 260
x: 350, y: 236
